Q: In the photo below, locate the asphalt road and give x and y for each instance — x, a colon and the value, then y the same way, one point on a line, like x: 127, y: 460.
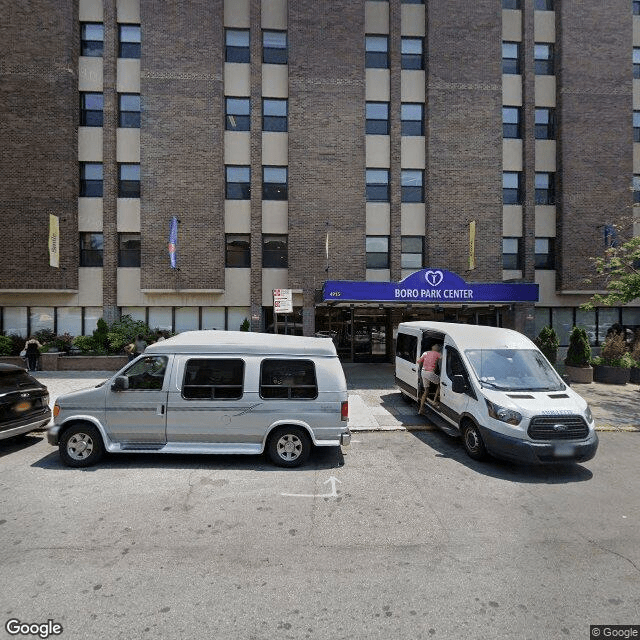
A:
x: 401, y: 537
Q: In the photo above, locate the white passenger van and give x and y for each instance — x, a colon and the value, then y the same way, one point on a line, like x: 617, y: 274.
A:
x: 498, y: 391
x: 212, y: 392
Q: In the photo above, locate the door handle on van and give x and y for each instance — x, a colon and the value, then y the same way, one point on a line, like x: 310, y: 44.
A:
x: 414, y: 368
x: 160, y: 410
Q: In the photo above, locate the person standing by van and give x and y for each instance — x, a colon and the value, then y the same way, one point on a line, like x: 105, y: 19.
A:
x: 428, y: 360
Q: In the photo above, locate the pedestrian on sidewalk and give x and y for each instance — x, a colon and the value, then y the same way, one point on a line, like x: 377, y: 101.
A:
x: 32, y: 350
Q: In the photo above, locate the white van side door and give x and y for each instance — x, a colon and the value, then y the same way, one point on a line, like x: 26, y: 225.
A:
x: 407, y: 352
x: 452, y: 405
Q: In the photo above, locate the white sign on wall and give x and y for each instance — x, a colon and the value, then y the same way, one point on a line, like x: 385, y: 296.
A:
x: 283, y: 301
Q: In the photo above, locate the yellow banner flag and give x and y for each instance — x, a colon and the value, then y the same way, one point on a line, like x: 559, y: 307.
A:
x: 54, y: 241
x: 472, y: 245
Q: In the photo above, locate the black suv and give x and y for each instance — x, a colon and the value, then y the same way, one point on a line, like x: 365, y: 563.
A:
x: 24, y: 402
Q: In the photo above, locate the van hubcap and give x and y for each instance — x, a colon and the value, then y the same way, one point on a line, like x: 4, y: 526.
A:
x: 289, y: 447
x: 80, y: 446
x: 472, y: 439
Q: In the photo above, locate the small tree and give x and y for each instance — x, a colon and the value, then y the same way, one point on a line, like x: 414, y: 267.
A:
x: 614, y: 352
x: 245, y: 325
x: 579, y: 353
x: 548, y: 342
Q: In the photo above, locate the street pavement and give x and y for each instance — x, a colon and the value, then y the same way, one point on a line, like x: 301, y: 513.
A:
x: 375, y: 404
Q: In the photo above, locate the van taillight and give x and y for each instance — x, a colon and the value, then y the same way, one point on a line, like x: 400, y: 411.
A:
x: 344, y: 410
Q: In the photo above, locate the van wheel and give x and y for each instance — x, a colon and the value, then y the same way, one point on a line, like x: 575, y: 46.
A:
x: 289, y: 446
x: 472, y: 440
x: 81, y: 446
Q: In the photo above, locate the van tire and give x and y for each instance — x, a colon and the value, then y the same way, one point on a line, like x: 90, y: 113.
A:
x: 472, y: 441
x: 289, y: 446
x: 81, y: 445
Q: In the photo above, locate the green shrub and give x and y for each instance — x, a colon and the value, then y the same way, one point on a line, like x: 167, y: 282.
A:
x: 579, y: 352
x: 86, y: 344
x: 6, y: 345
x: 548, y: 342
x: 101, y: 336
x: 124, y: 331
x: 614, y: 352
x: 44, y: 335
x: 245, y: 325
x: 17, y: 344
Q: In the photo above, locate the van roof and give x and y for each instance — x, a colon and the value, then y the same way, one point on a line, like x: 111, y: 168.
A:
x: 473, y: 336
x: 243, y: 342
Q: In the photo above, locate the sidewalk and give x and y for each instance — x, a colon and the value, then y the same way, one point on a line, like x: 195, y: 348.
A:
x: 375, y: 404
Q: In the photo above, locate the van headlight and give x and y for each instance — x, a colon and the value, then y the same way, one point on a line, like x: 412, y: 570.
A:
x: 588, y: 415
x: 503, y: 414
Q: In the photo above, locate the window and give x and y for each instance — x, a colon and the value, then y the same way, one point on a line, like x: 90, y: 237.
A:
x: 407, y: 347
x: 377, y: 114
x: 545, y: 253
x: 636, y: 62
x: 129, y: 41
x: 412, y: 1
x: 147, y: 374
x: 412, y: 185
x: 412, y: 117
x: 91, y: 39
x: 274, y: 183
x: 412, y: 251
x: 377, y: 52
x: 636, y: 189
x: 274, y: 115
x: 377, y: 185
x: 128, y: 180
x: 129, y: 110
x: 238, y: 114
x: 210, y: 379
x: 288, y: 379
x: 128, y: 249
x: 412, y: 53
x: 545, y: 126
x: 510, y: 4
x: 237, y: 45
x: 545, y: 188
x: 511, y: 58
x: 511, y: 187
x: 238, y: 183
x: 91, y: 179
x: 275, y: 252
x: 91, y: 107
x: 511, y: 122
x: 543, y: 55
x: 543, y: 5
x: 511, y: 254
x: 274, y: 47
x: 636, y: 126
x: 636, y: 7
x: 238, y: 251
x: 377, y: 252
x: 91, y: 247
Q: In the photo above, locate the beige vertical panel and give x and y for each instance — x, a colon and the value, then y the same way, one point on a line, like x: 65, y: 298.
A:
x: 412, y: 152
x: 412, y: 20
x: 412, y: 219
x: 90, y: 144
x: 129, y: 294
x: 545, y: 221
x: 545, y: 155
x: 237, y: 287
x: 376, y: 17
x: 275, y: 81
x: 511, y: 25
x: 274, y: 14
x: 636, y: 94
x: 275, y: 217
x: 128, y: 80
x: 545, y: 26
x: 377, y: 154
x: 236, y: 13
x: 377, y: 85
x: 129, y: 215
x: 512, y: 220
x: 237, y: 216
x: 129, y: 11
x: 90, y: 286
x: 378, y: 275
x: 636, y: 31
x: 378, y: 219
x: 89, y: 74
x: 128, y: 145
x: 90, y: 11
x: 511, y: 155
x: 545, y: 91
x: 636, y: 157
x: 273, y: 279
x: 275, y: 149
x: 236, y: 79
x: 512, y: 91
x: 237, y: 148
x: 89, y: 214
x: 412, y: 85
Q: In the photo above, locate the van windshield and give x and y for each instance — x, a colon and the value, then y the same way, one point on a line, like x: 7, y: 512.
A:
x: 514, y: 370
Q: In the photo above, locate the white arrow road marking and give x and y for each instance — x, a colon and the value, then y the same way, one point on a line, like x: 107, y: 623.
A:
x: 333, y: 494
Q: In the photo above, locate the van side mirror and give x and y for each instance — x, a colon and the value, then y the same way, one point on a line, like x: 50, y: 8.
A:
x: 458, y: 384
x: 121, y: 383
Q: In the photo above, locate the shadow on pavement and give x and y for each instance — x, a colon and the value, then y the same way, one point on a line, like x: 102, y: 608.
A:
x: 19, y: 443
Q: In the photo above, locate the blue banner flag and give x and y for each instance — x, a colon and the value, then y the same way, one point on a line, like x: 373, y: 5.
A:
x: 173, y: 241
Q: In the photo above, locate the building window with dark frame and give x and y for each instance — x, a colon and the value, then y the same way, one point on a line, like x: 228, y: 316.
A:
x: 545, y: 124
x: 91, y: 179
x: 636, y: 188
x: 412, y: 56
x: 275, y: 183
x: 636, y: 126
x: 91, y: 39
x: 543, y: 59
x: 377, y: 185
x: 91, y: 249
x: 636, y: 7
x: 412, y: 119
x: 274, y: 47
x: 545, y: 188
x: 91, y: 109
x: 238, y: 251
x: 543, y: 5
x: 412, y: 252
x: 412, y: 182
x: 237, y: 182
x: 545, y: 253
x: 128, y: 249
x: 511, y: 122
x: 511, y: 187
x: 412, y: 1
x: 129, y: 110
x: 237, y: 45
x: 275, y: 114
x: 275, y: 252
x: 377, y: 52
x: 636, y: 62
x: 238, y: 114
x: 128, y: 180
x: 129, y: 38
x: 377, y: 249
x: 512, y: 254
x: 511, y: 4
x: 511, y: 58
x: 377, y: 118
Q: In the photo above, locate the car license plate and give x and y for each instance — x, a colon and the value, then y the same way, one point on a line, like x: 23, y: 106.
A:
x: 564, y: 450
x: 22, y: 406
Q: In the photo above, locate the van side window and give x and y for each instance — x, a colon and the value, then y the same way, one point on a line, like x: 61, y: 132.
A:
x: 455, y: 366
x: 213, y: 379
x: 407, y: 347
x: 147, y: 374
x: 288, y: 379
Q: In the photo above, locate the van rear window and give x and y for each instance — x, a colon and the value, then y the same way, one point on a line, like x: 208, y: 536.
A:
x: 213, y: 379
x: 295, y: 379
x: 406, y: 347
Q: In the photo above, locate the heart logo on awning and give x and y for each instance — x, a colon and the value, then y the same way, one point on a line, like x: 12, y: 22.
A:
x: 434, y: 278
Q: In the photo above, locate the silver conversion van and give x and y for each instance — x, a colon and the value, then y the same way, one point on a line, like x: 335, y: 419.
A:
x: 496, y: 390
x: 226, y: 392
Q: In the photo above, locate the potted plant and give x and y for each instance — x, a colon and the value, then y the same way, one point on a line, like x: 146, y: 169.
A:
x: 548, y: 342
x: 578, y: 361
x: 613, y: 366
